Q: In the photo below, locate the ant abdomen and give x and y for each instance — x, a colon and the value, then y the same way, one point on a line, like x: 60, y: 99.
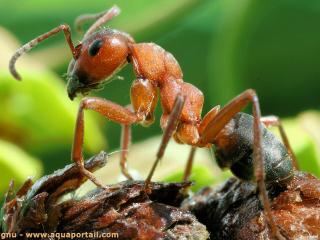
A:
x: 234, y: 150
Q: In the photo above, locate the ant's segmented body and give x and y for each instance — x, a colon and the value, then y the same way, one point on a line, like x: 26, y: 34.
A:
x: 242, y: 143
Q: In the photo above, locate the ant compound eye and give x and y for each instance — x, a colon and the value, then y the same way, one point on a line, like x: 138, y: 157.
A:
x: 95, y: 47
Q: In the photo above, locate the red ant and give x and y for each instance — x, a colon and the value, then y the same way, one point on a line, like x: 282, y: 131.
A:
x: 242, y: 143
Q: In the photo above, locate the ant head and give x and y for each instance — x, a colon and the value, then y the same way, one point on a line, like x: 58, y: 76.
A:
x: 99, y: 57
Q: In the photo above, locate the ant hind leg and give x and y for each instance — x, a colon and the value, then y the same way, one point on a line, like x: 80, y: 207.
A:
x: 212, y: 129
x: 275, y: 121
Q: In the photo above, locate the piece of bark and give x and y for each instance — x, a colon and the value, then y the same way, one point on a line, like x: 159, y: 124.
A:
x: 234, y: 211
x: 126, y: 208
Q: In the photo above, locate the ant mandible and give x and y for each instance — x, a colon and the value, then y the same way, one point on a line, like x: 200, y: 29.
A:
x: 242, y: 143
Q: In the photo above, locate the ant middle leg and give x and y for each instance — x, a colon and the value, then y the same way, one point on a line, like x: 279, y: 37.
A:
x: 212, y: 129
x: 108, y: 109
x: 124, y: 146
x: 172, y: 124
x: 125, y: 143
x: 205, y: 121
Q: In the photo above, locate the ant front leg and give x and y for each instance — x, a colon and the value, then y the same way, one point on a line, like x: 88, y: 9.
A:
x: 108, y: 109
x: 212, y: 129
x: 276, y: 122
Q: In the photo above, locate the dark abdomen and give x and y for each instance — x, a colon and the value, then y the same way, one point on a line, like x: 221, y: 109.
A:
x: 234, y: 150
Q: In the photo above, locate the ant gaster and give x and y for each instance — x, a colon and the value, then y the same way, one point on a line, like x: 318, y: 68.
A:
x: 242, y: 143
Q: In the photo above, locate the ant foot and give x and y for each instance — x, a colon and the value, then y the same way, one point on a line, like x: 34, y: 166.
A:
x: 127, y: 175
x: 92, y: 178
x: 147, y: 188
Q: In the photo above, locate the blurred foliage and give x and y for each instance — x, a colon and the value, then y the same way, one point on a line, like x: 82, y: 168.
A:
x: 223, y: 47
x: 305, y: 147
x: 14, y: 162
x: 35, y: 116
x: 137, y: 16
x: 201, y: 176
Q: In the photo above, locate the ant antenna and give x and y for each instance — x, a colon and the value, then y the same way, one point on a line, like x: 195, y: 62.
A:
x: 102, y: 17
x: 80, y: 20
x: 117, y: 151
x: 28, y: 46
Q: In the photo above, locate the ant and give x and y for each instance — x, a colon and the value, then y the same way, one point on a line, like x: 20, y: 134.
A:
x: 242, y: 142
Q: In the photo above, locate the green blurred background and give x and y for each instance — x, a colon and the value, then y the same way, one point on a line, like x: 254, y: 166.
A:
x: 223, y: 47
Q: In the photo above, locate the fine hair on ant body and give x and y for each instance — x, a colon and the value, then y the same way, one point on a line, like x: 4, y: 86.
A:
x: 242, y: 143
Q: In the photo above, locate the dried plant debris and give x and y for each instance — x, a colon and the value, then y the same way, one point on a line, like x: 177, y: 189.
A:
x: 234, y: 211
x: 125, y: 208
x: 134, y: 214
x: 32, y: 203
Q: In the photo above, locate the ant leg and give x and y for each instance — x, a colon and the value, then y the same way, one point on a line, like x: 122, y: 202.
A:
x: 275, y: 121
x: 125, y: 143
x: 172, y: 124
x: 187, y: 171
x: 217, y: 124
x: 108, y: 109
x: 205, y: 121
x: 28, y: 46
